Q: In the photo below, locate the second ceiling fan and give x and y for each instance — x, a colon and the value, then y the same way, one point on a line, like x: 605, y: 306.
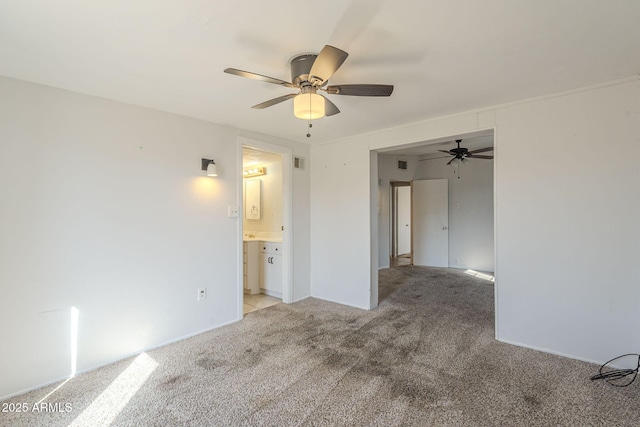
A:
x: 461, y: 154
x: 310, y: 74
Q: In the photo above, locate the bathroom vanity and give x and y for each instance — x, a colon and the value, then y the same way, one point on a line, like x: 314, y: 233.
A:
x: 271, y: 268
x: 262, y: 263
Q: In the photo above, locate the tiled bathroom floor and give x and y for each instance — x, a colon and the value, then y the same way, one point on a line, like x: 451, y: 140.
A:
x: 257, y: 302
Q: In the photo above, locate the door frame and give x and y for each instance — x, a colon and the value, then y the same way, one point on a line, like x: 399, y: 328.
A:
x: 393, y: 229
x: 287, y: 217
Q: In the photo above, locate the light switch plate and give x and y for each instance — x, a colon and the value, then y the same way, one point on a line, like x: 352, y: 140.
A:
x: 233, y: 212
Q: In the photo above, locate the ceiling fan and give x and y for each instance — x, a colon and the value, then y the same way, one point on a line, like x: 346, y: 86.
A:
x: 461, y: 154
x: 310, y: 74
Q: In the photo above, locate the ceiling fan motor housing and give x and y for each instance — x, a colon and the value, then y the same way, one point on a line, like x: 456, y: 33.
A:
x: 300, y: 68
x: 461, y: 151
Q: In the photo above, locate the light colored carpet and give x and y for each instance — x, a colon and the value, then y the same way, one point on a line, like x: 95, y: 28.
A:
x: 426, y: 356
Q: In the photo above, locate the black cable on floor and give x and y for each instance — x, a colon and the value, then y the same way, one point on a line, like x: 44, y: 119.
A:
x: 616, y: 376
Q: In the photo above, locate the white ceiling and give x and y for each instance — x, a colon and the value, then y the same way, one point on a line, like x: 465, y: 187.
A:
x: 442, y: 56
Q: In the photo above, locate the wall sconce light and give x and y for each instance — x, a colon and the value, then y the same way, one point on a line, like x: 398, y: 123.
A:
x: 210, y: 166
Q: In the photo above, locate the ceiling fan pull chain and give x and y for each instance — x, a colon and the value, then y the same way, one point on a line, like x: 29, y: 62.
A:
x: 310, y: 125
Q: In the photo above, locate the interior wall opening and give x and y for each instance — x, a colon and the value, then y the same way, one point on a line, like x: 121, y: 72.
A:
x: 466, y: 214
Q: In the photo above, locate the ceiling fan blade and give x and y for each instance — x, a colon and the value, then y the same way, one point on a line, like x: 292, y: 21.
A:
x: 329, y: 107
x: 360, y: 90
x: 327, y: 62
x: 274, y: 101
x: 473, y: 156
x: 260, y: 77
x: 451, y: 160
x: 480, y: 150
x: 434, y: 158
x: 444, y: 151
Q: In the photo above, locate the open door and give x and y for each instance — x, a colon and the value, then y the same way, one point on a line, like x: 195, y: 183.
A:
x: 401, y: 250
x: 404, y: 221
x: 430, y: 201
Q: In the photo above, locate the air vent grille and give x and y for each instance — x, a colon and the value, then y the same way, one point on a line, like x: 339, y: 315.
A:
x: 402, y: 164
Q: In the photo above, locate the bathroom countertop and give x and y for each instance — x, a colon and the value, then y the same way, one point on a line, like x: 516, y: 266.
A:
x: 262, y: 239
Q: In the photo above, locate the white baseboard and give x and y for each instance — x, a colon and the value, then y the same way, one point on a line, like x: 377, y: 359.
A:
x: 271, y: 293
x: 546, y: 350
x: 340, y: 302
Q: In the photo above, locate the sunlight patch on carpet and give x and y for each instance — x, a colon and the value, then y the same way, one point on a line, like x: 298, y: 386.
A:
x: 52, y: 391
x: 480, y: 275
x: 106, y: 407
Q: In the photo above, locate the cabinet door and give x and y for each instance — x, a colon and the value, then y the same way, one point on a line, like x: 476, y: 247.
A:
x: 244, y: 265
x: 271, y: 272
x: 252, y: 267
x: 264, y: 269
x: 275, y: 273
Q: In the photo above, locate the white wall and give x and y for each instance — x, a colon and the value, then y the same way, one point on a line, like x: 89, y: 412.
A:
x: 301, y: 230
x: 470, y: 211
x: 567, y: 229
x: 104, y: 208
x: 568, y: 234
x: 340, y: 210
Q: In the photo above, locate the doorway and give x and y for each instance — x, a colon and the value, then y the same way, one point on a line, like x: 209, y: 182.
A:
x: 265, y: 211
x: 401, y: 252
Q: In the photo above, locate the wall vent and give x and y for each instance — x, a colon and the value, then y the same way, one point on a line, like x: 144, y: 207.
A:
x: 298, y: 163
x: 402, y: 164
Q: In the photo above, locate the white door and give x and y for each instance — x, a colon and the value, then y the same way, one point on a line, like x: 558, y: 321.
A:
x: 404, y: 219
x: 431, y: 222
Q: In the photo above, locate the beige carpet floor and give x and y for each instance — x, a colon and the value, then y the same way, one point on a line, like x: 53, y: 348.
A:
x: 426, y: 356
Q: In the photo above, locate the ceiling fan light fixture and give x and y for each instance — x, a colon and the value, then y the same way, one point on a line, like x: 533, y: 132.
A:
x: 308, y: 106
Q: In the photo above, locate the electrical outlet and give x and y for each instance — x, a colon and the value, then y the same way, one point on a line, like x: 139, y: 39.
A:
x: 232, y: 211
x: 202, y: 294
